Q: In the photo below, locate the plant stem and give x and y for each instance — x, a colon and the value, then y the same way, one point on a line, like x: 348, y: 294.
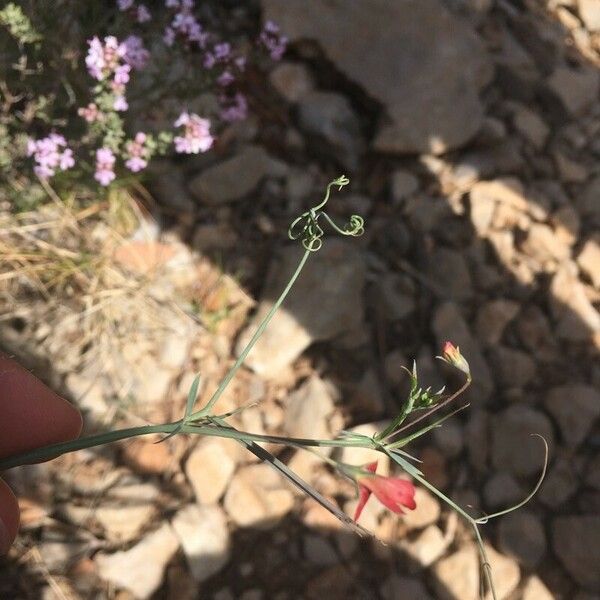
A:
x: 55, y: 450
x: 238, y: 363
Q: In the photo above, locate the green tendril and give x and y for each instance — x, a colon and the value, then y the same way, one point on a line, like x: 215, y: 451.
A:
x: 306, y: 227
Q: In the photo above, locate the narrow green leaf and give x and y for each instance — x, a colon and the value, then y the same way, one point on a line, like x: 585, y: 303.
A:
x: 192, y: 396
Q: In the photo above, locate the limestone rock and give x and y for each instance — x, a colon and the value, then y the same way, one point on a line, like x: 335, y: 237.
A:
x: 141, y: 568
x: 458, y: 575
x: 326, y: 301
x: 204, y: 537
x: 292, y: 80
x: 209, y: 469
x: 308, y: 410
x: 235, y: 177
x: 575, y: 407
x: 577, y: 89
x: 576, y: 542
x: 513, y: 447
x: 257, y: 497
x: 431, y: 96
x: 521, y: 534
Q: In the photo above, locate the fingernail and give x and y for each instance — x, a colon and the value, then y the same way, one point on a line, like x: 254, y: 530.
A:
x: 4, y: 539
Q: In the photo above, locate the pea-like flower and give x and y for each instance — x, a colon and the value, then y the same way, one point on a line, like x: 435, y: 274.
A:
x: 451, y: 354
x: 394, y: 493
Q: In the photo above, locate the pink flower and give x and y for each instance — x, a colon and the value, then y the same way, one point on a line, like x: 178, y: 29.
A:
x: 50, y: 153
x: 105, y: 162
x: 120, y: 104
x: 137, y: 153
x: 124, y: 4
x: 196, y: 138
x: 393, y: 492
x: 90, y: 112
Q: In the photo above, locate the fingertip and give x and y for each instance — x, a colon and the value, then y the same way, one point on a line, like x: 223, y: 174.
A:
x: 9, y: 517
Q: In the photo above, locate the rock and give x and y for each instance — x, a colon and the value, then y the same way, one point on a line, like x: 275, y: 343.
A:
x: 363, y: 456
x: 531, y: 126
x: 449, y: 438
x: 536, y: 590
x: 396, y: 587
x: 397, y: 296
x: 587, y: 201
x: 330, y: 117
x: 430, y: 96
x: 367, y: 398
x: 576, y: 542
x: 478, y: 438
x: 204, y: 537
x: 404, y: 184
x: 167, y: 185
x: 257, y: 497
x: 543, y: 245
x: 235, y: 177
x: 319, y: 551
x: 589, y: 11
x: 88, y: 393
x: 457, y: 575
x: 427, y: 547
x: 506, y: 191
x: 505, y: 572
x: 449, y: 270
x: 513, y: 447
x: 521, y: 534
x: 589, y: 260
x: 448, y: 324
x: 535, y: 333
x: 131, y: 569
x: 148, y: 457
x: 124, y: 523
x: 209, y: 469
x: 577, y: 317
x: 575, y: 407
x: 492, y: 319
x: 593, y: 474
x: 577, y: 89
x: 426, y: 513
x: 559, y: 485
x: 325, y: 303
x: 512, y: 368
x: 292, y: 80
x: 501, y: 491
x: 308, y: 410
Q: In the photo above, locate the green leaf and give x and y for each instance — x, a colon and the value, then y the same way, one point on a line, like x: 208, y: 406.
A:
x: 192, y: 396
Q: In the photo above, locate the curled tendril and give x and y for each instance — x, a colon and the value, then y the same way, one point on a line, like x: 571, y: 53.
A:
x: 307, y: 228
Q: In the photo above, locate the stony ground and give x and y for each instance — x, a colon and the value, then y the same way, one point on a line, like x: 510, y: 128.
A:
x: 470, y: 134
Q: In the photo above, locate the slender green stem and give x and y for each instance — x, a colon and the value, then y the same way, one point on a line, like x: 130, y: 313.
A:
x: 238, y: 363
x: 54, y: 450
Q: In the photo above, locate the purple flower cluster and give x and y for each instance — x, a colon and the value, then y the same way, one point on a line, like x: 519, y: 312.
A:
x: 271, y: 38
x: 233, y: 108
x: 90, y: 113
x: 184, y: 24
x: 136, y: 56
x: 139, y: 12
x: 196, y: 137
x: 105, y: 164
x: 50, y: 153
x: 137, y: 153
